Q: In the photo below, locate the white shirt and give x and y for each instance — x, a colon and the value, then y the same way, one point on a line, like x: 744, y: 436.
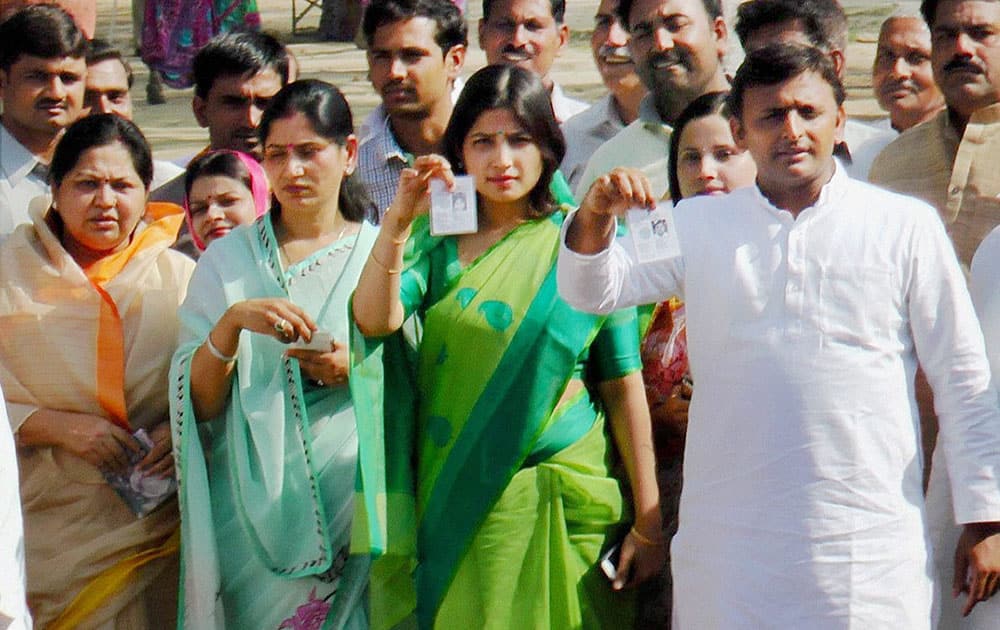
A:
x: 585, y: 132
x: 19, y: 184
x: 563, y: 106
x: 802, y: 504
x: 864, y: 142
x: 13, y: 607
x: 644, y: 144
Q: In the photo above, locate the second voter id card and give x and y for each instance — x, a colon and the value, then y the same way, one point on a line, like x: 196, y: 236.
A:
x: 653, y: 233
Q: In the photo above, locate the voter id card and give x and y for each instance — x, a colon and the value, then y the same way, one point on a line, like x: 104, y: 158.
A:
x: 653, y: 233
x: 454, y: 211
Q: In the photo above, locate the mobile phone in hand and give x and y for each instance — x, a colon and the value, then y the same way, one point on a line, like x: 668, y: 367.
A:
x: 609, y: 561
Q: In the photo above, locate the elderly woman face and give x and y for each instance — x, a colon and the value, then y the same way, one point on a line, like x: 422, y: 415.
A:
x: 100, y: 201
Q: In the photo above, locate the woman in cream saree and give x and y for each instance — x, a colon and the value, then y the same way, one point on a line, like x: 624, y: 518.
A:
x: 89, y: 318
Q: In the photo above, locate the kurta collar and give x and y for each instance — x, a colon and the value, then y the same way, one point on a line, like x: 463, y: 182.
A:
x: 829, y: 195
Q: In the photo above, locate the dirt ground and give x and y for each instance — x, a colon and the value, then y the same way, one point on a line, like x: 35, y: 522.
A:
x: 172, y: 130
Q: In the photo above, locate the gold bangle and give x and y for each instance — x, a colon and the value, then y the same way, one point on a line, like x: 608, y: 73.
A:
x: 381, y: 264
x: 647, y: 542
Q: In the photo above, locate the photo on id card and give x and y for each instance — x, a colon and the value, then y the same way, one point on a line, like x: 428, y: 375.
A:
x: 454, y: 211
x: 653, y: 233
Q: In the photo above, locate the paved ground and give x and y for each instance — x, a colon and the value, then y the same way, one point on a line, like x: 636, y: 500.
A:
x: 173, y: 131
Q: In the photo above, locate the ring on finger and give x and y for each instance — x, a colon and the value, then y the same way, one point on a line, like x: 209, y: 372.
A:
x: 281, y: 327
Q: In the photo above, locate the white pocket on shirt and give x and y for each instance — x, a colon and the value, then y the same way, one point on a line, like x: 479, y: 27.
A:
x: 856, y: 303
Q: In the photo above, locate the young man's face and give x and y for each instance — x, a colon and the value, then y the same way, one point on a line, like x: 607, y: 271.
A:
x: 790, y: 130
x: 965, y: 53
x: 42, y: 96
x: 232, y: 109
x: 409, y: 70
x: 107, y: 89
x: 676, y: 45
x: 523, y: 33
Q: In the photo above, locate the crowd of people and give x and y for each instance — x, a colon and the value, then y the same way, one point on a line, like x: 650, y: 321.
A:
x: 688, y: 369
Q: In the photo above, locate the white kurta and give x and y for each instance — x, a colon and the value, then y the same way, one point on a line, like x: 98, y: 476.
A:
x: 13, y: 606
x: 985, y: 289
x: 802, y: 504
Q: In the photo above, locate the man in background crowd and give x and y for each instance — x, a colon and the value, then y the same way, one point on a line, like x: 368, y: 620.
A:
x: 42, y: 70
x: 416, y: 50
x: 902, y: 76
x: 677, y: 47
x: 530, y: 34
x: 619, y: 107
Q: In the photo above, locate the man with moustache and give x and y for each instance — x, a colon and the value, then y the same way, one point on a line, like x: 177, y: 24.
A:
x: 416, y: 50
x: 235, y: 77
x: 677, y: 47
x: 951, y: 162
x: 601, y: 121
x: 42, y: 69
x: 823, y: 24
x: 809, y: 297
x: 902, y: 77
x: 530, y: 34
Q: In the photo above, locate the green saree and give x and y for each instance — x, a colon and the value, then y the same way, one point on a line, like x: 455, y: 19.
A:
x: 487, y: 498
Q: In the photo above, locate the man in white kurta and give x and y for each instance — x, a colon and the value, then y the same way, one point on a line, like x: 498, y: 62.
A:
x: 13, y: 607
x: 802, y: 504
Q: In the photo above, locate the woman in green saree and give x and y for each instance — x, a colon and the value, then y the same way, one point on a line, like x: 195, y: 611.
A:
x: 496, y: 491
x: 266, y: 524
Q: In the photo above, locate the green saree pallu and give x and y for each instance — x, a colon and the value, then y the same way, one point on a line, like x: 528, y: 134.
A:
x: 266, y: 490
x: 487, y: 498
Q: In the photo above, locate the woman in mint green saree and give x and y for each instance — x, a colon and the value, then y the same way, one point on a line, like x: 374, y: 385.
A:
x: 266, y: 490
x: 490, y: 498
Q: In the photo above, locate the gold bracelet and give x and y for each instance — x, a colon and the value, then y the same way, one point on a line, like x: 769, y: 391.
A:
x: 647, y: 542
x: 381, y: 264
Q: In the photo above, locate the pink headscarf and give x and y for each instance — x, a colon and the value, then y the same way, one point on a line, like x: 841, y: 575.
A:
x: 259, y: 190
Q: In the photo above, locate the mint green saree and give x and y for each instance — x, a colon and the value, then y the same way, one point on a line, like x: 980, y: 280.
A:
x: 494, y: 499
x: 266, y: 490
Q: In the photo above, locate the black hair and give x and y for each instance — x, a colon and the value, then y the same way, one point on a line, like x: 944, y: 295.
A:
x: 330, y: 116
x: 709, y: 104
x: 237, y: 54
x: 451, y: 29
x: 776, y: 63
x: 102, y: 50
x: 928, y: 9
x: 225, y: 163
x: 100, y: 130
x: 521, y: 92
x: 713, y: 9
x: 824, y: 21
x: 558, y: 8
x: 40, y: 30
